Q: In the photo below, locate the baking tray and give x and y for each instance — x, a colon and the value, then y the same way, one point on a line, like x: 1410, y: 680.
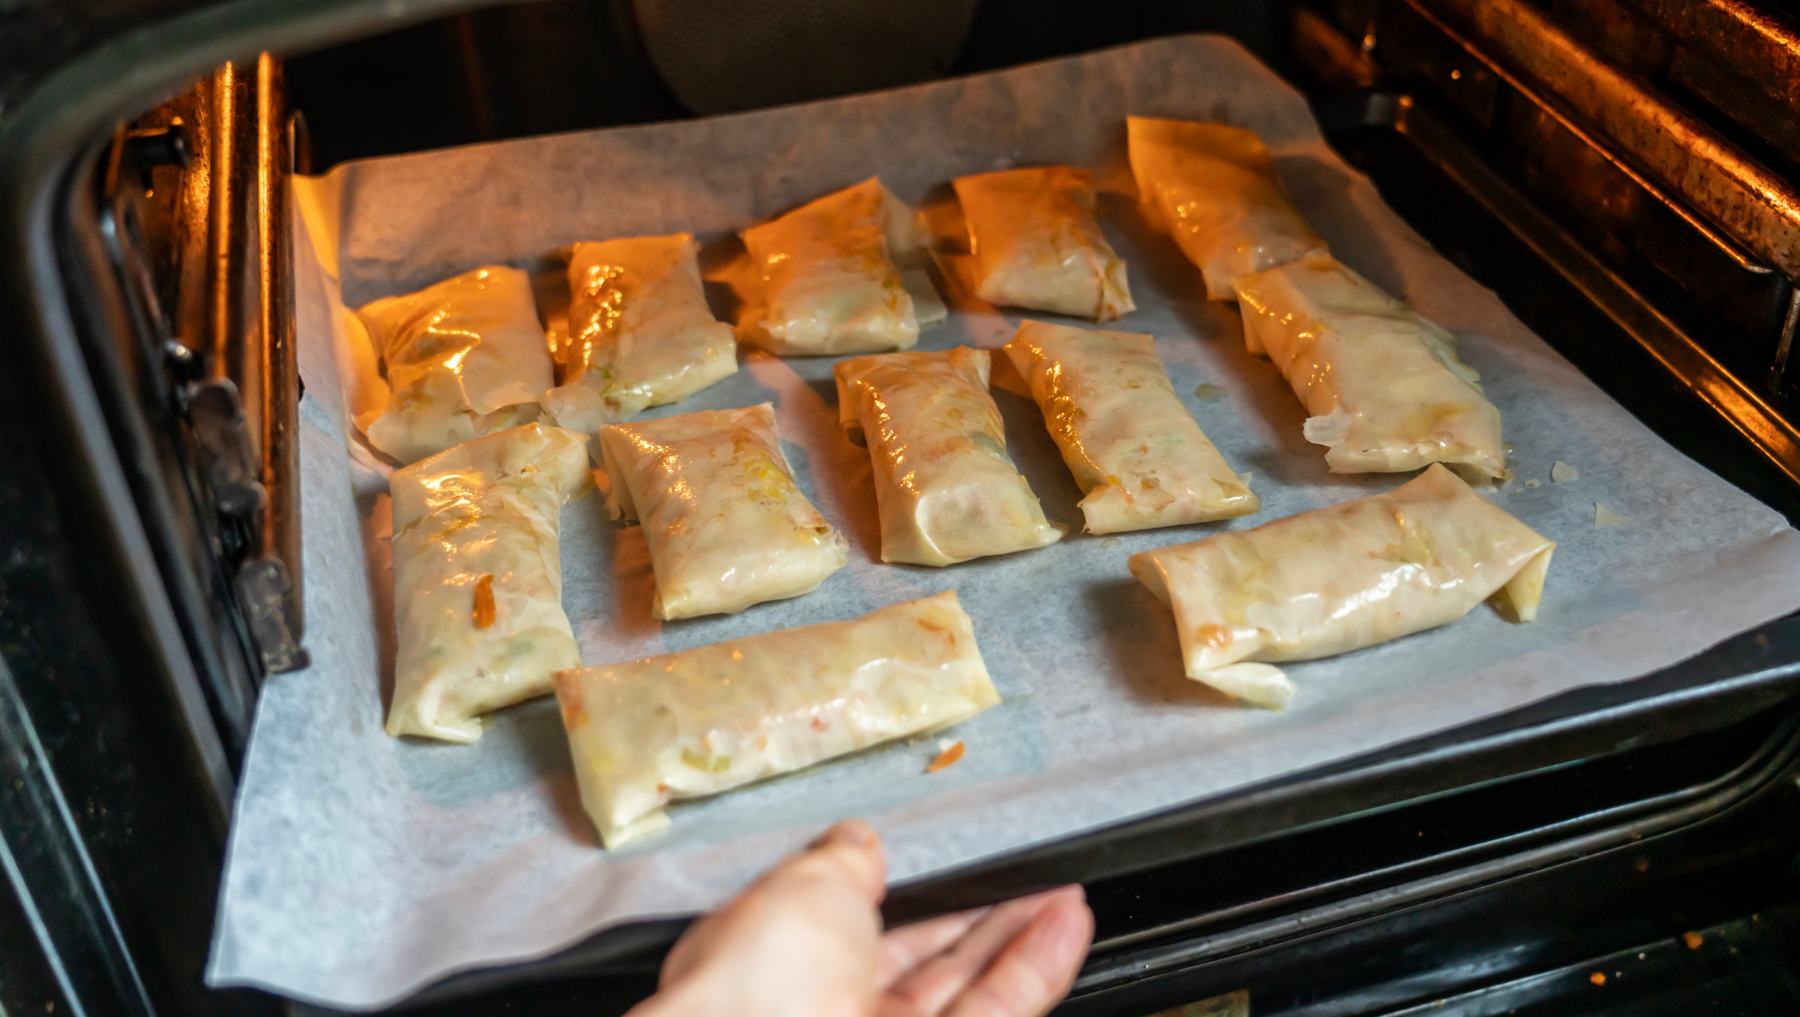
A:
x: 1052, y: 857
x: 1743, y: 677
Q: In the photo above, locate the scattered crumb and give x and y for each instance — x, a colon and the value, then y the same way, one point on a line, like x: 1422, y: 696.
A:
x: 1604, y: 516
x: 1209, y: 391
x: 1693, y: 940
x: 946, y: 758
x: 1640, y: 955
x: 946, y: 744
x: 1562, y: 473
x: 1642, y: 865
x: 1598, y: 978
x: 1533, y: 482
x: 1109, y: 542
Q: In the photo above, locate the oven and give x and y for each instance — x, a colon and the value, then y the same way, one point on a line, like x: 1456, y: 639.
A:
x: 1624, y: 174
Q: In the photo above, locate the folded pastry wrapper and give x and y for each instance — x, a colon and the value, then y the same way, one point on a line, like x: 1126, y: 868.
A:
x: 726, y: 525
x: 830, y: 281
x: 640, y: 332
x: 945, y: 486
x: 464, y: 357
x: 478, y: 578
x: 1382, y: 384
x: 1213, y: 188
x: 1134, y: 450
x: 706, y: 720
x: 1036, y: 244
x: 1340, y: 578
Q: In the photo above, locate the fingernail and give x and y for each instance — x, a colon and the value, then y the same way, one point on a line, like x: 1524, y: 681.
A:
x: 850, y: 832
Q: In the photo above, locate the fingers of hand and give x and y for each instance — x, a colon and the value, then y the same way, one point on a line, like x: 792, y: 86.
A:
x: 935, y: 982
x: 1035, y: 969
x: 907, y: 947
x: 846, y: 859
x: 831, y: 887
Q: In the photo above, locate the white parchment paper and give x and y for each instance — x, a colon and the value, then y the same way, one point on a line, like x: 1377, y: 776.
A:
x: 362, y: 867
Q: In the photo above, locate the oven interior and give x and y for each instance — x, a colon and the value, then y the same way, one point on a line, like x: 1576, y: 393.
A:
x: 1623, y: 173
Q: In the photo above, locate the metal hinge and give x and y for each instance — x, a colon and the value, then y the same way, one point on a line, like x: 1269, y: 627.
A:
x: 266, y: 594
x: 265, y: 591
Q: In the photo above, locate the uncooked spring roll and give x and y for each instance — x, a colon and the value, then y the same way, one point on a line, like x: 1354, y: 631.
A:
x: 1383, y: 387
x: 463, y: 358
x: 830, y: 284
x: 1135, y: 451
x: 726, y: 524
x: 945, y: 487
x: 707, y: 720
x: 640, y: 333
x: 1213, y: 188
x: 478, y: 579
x: 1341, y: 578
x: 1036, y: 244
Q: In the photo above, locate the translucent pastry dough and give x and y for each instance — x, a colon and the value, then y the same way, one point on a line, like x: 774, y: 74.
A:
x: 640, y: 333
x: 1213, y: 188
x: 1036, y: 244
x: 1382, y: 385
x: 945, y: 486
x: 830, y: 284
x: 1133, y: 448
x: 707, y: 720
x: 464, y: 357
x: 726, y: 524
x: 478, y: 580
x: 1341, y: 578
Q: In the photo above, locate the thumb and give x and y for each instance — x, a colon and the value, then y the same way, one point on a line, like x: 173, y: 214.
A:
x: 834, y: 884
x: 845, y: 860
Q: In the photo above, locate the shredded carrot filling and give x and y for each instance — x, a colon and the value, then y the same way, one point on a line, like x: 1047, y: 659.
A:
x: 946, y: 758
x: 483, y: 614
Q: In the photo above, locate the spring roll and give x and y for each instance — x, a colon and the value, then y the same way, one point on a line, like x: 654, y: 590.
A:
x: 640, y: 333
x: 707, y: 720
x: 1036, y: 244
x: 1341, y: 578
x: 478, y: 579
x: 830, y: 284
x: 1135, y: 451
x: 1383, y: 387
x: 464, y: 357
x: 726, y: 524
x: 1213, y: 188
x: 945, y: 487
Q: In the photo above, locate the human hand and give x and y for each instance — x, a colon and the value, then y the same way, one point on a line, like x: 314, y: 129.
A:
x: 805, y: 940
